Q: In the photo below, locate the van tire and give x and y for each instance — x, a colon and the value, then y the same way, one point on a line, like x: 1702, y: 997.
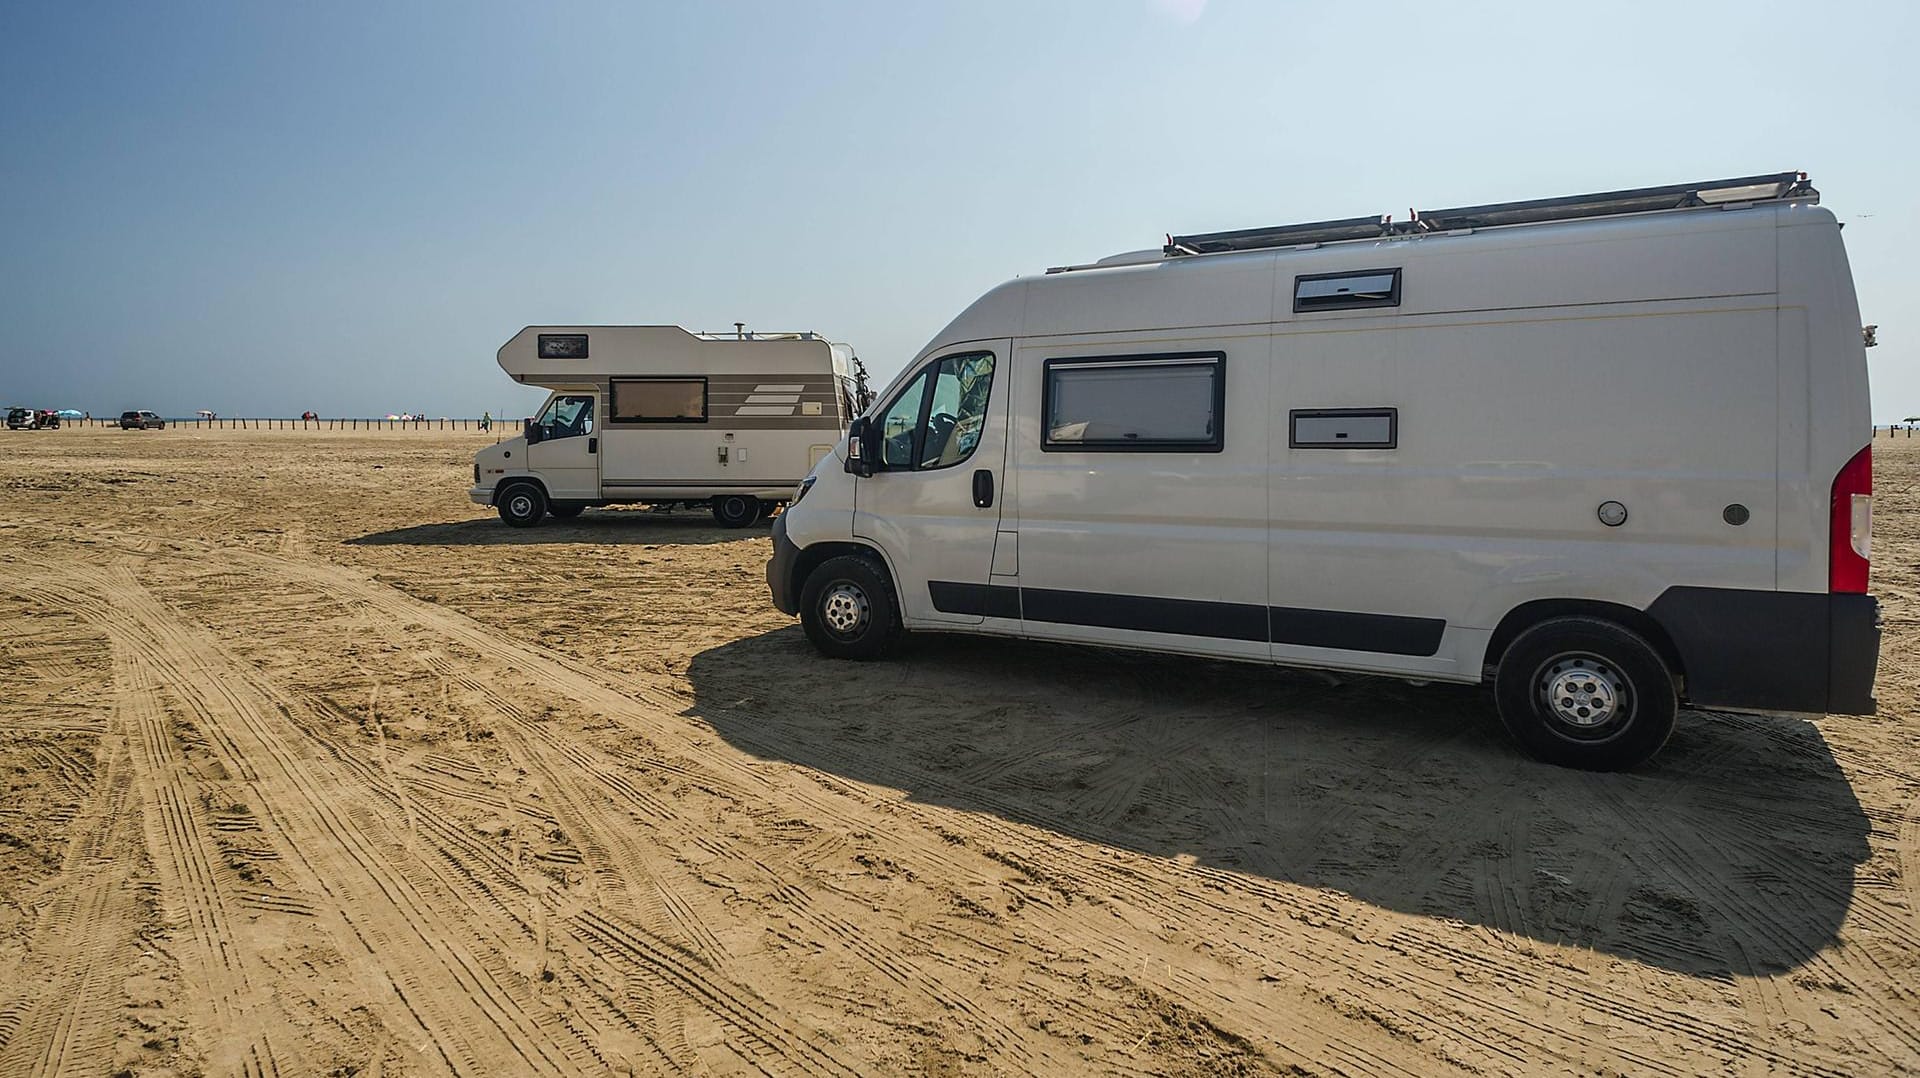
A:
x: 848, y: 608
x: 565, y: 510
x: 521, y: 504
x: 736, y: 510
x: 1586, y: 693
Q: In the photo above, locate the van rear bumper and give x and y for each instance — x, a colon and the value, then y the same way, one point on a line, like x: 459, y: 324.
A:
x: 1774, y: 650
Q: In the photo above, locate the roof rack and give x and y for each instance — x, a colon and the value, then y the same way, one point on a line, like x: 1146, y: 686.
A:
x: 1779, y: 186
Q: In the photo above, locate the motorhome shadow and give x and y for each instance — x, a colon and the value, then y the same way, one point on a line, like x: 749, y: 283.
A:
x: 1734, y: 853
x: 611, y: 527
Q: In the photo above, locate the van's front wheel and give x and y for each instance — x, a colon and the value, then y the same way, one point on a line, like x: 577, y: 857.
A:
x: 848, y: 608
x: 521, y: 505
x: 736, y: 510
x: 1586, y: 693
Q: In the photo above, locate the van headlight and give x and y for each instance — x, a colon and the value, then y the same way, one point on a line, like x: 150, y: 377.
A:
x: 800, y: 491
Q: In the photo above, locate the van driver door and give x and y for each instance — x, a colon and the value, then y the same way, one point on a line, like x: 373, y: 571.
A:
x: 567, y: 456
x: 933, y: 501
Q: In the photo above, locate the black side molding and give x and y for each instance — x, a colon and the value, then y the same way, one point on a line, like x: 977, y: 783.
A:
x: 980, y: 600
x: 1390, y: 634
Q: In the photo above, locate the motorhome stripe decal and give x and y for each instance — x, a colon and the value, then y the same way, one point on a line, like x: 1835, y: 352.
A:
x: 1388, y: 634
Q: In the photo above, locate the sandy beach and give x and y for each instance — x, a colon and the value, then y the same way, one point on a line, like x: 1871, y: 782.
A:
x: 308, y: 766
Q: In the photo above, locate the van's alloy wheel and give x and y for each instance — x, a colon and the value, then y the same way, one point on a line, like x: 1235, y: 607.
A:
x: 736, y: 510
x: 1586, y: 692
x: 522, y: 505
x: 848, y: 609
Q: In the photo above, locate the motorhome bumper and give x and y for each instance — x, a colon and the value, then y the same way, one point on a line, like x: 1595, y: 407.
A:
x: 480, y: 495
x: 1774, y: 651
x: 780, y: 569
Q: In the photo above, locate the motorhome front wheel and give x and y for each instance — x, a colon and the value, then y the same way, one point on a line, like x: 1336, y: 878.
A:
x: 522, y: 505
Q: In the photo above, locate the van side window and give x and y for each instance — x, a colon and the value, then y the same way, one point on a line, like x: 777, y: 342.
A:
x: 900, y: 422
x: 658, y: 400
x: 937, y: 420
x: 956, y: 409
x: 1346, y: 291
x: 1118, y: 404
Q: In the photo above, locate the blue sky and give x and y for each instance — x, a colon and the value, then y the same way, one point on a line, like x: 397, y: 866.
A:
x: 264, y: 208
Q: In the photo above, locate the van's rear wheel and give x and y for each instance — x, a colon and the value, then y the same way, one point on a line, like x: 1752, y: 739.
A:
x: 736, y: 510
x: 521, y: 505
x: 848, y: 608
x: 1587, y: 693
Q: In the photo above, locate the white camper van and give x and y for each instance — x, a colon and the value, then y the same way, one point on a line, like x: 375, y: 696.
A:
x: 1609, y: 453
x: 665, y: 416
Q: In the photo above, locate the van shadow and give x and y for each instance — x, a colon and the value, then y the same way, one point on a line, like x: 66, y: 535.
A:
x: 608, y: 527
x: 1732, y: 852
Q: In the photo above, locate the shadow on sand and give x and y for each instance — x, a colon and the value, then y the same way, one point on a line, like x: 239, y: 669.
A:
x: 1732, y: 852
x: 614, y: 527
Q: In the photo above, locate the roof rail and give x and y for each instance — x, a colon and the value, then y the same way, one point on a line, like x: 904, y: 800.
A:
x: 1779, y: 186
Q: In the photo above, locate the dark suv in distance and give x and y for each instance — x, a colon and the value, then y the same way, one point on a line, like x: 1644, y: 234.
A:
x: 141, y: 421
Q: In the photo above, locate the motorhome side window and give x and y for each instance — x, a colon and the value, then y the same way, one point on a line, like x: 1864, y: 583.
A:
x: 659, y: 400
x: 1135, y: 403
x: 569, y: 416
x: 937, y: 419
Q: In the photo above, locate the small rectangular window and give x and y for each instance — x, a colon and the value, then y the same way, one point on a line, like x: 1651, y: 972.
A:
x: 659, y: 400
x: 1344, y: 428
x: 1164, y: 403
x: 1346, y: 291
x: 563, y: 346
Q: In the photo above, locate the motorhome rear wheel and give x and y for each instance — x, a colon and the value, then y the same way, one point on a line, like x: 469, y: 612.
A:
x: 736, y: 510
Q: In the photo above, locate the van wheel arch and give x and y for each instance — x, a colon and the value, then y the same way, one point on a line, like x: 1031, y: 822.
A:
x: 814, y: 556
x: 1527, y: 615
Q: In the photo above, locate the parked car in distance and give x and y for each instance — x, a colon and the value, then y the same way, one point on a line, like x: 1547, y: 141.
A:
x: 20, y: 419
x: 141, y: 420
x: 47, y: 419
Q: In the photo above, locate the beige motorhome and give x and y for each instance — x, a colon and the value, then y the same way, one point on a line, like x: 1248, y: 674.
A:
x: 667, y: 416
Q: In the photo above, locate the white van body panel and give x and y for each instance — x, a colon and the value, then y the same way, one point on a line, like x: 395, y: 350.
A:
x: 1701, y: 368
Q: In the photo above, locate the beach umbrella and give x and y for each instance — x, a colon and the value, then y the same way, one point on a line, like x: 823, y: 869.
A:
x: 69, y: 413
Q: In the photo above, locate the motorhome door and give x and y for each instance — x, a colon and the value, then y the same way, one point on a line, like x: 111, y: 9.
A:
x: 933, y: 500
x: 567, y: 455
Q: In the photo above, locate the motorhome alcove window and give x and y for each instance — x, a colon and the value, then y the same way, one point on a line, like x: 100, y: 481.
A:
x: 1345, y: 291
x: 563, y: 346
x: 1118, y: 404
x: 659, y: 400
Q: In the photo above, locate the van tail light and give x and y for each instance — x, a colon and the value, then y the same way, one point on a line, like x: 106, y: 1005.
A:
x: 1850, y: 538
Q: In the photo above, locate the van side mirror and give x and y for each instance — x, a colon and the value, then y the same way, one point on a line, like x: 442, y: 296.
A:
x: 534, y: 432
x: 860, y: 448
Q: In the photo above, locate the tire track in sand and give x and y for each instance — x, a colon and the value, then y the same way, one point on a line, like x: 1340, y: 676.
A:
x: 63, y: 1012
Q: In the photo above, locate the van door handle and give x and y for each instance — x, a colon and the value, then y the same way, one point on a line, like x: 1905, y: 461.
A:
x: 982, y: 489
x: 593, y: 446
